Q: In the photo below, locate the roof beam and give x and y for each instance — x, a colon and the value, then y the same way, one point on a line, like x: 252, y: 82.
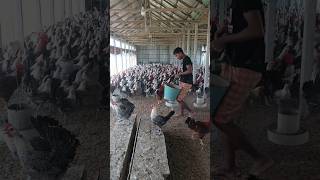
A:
x: 160, y: 10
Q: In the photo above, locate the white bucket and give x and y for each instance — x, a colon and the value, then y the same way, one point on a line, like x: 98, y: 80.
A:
x: 19, y: 116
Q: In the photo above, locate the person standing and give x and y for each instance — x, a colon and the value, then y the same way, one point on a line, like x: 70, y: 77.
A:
x: 244, y: 46
x: 186, y: 78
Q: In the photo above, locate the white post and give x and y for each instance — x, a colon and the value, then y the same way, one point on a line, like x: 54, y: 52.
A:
x: 183, y: 42
x: 207, y: 68
x: 82, y: 6
x: 76, y: 6
x: 307, y: 47
x: 63, y: 9
x: 221, y: 11
x: 121, y: 54
x: 68, y: 6
x: 20, y: 21
x: 188, y: 43
x: 52, y: 16
x: 38, y: 8
x: 195, y: 48
x: 270, y: 30
x: 114, y: 51
x: 1, y: 37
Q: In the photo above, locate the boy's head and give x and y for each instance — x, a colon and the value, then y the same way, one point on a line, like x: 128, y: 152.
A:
x: 178, y: 52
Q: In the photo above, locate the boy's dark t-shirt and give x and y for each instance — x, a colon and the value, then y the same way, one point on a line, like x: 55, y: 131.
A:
x: 186, y: 78
x: 249, y: 54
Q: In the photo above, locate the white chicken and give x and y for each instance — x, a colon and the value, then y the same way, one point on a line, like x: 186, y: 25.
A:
x: 284, y: 93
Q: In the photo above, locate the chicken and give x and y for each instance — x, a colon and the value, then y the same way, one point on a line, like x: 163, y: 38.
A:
x: 49, y: 153
x: 160, y: 93
x: 158, y: 119
x: 284, y: 93
x: 200, y: 128
x: 123, y: 107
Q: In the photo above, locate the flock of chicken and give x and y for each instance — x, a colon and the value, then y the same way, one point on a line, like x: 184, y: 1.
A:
x: 147, y: 79
x: 65, y: 59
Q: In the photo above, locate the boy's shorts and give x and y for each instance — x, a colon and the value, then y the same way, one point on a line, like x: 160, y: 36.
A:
x: 242, y: 81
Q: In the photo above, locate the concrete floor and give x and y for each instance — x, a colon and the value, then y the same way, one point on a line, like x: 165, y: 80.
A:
x: 291, y: 162
x: 187, y: 160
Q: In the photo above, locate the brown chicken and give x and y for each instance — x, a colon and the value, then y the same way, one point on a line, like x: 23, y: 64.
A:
x: 160, y: 93
x: 200, y: 128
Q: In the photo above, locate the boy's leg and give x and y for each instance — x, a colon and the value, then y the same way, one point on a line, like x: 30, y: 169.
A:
x: 242, y: 83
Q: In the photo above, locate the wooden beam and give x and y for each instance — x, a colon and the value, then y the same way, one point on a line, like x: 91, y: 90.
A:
x: 157, y: 28
x: 160, y: 10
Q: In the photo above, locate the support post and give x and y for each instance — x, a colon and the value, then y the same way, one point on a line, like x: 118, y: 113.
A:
x: 221, y: 11
x: 188, y: 43
x: 270, y: 30
x: 52, y: 16
x: 195, y: 48
x: 183, y: 42
x: 307, y: 48
x: 20, y: 21
x: 207, y: 68
x: 115, y: 53
x: 39, y: 9
x: 121, y: 54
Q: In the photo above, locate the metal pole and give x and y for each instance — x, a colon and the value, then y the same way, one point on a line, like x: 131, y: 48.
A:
x: 121, y: 55
x: 207, y: 68
x: 183, y: 42
x: 307, y: 48
x: 195, y: 48
x: 20, y: 21
x: 115, y: 53
x: 188, y: 43
x: 52, y: 18
x: 270, y: 30
x: 40, y: 14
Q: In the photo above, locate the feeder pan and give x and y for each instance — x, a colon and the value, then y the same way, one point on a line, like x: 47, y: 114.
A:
x: 200, y: 103
x: 287, y: 131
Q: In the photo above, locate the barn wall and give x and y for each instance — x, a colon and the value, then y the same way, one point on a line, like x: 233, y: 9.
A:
x: 162, y: 54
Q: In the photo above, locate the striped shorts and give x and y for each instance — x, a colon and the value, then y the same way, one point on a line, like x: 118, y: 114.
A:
x: 242, y: 81
x: 185, y: 87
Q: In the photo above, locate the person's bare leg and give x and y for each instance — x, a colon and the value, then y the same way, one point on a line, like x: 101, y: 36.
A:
x: 239, y: 141
x: 183, y: 106
x: 230, y: 155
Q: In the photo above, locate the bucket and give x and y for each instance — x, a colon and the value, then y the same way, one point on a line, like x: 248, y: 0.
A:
x: 220, y: 87
x: 171, y: 92
x: 19, y: 116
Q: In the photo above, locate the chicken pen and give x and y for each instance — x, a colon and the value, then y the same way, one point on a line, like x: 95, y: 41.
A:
x: 53, y: 56
x: 148, y: 137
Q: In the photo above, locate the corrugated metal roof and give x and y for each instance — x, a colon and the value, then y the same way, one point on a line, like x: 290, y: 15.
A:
x: 163, y: 17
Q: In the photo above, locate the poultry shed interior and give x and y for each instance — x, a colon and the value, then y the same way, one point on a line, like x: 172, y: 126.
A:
x: 143, y: 37
x: 131, y: 89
